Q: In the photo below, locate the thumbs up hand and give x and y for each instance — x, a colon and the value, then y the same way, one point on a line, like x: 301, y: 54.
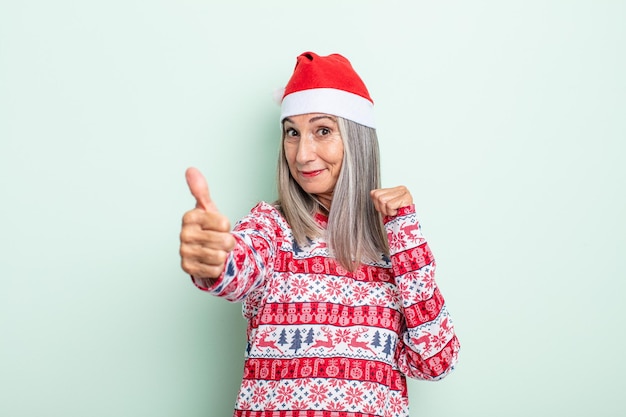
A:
x: 205, y: 238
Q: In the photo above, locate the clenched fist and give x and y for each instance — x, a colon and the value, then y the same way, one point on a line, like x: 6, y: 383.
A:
x: 388, y: 200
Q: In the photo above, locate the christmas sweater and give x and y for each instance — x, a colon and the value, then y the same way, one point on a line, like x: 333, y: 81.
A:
x: 327, y: 342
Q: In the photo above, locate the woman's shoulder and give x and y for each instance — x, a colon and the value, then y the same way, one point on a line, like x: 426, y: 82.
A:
x: 264, y: 208
x: 264, y: 213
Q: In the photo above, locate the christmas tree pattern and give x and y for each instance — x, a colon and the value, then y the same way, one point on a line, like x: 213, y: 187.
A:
x: 296, y: 342
x: 376, y: 339
x: 282, y: 339
x: 387, y: 348
x: 310, y: 337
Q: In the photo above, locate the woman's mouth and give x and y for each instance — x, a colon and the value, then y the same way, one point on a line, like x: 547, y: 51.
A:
x: 310, y: 174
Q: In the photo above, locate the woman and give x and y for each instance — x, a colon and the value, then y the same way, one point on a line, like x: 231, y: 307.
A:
x: 336, y: 279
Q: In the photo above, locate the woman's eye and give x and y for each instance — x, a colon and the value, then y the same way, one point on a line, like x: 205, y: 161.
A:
x: 324, y: 131
x: 290, y: 133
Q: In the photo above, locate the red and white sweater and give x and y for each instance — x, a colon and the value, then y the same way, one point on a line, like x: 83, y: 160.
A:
x: 325, y: 342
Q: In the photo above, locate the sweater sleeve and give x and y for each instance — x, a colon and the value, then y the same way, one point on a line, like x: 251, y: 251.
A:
x: 250, y: 262
x: 427, y: 347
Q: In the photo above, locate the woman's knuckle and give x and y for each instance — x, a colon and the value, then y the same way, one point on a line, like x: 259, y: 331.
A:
x: 186, y: 265
x: 213, y: 271
x: 225, y: 240
x: 186, y: 252
x: 188, y: 217
x: 231, y: 242
x: 220, y: 257
x: 224, y: 224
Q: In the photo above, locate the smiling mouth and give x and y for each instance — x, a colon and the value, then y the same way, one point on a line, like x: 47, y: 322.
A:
x: 310, y: 174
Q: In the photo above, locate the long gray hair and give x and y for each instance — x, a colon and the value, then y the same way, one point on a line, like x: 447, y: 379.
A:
x: 355, y: 231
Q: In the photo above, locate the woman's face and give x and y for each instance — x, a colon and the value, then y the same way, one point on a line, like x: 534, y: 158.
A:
x: 314, y: 151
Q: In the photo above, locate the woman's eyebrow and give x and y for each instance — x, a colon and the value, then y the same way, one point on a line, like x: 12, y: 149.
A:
x: 312, y: 119
x: 316, y: 118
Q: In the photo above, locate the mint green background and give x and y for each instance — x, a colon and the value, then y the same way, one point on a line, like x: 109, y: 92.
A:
x: 506, y: 119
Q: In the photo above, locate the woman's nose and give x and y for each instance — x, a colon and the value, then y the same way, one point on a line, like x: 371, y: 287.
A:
x: 306, y: 151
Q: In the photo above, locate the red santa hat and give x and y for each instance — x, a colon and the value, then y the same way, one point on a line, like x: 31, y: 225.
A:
x: 327, y: 84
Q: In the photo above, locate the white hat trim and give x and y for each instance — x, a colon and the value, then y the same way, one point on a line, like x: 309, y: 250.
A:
x: 330, y: 101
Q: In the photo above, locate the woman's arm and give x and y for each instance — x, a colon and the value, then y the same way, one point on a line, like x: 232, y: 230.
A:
x: 251, y: 261
x: 229, y: 265
x: 427, y: 346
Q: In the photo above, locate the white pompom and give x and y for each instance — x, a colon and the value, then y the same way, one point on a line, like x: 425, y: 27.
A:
x: 278, y: 95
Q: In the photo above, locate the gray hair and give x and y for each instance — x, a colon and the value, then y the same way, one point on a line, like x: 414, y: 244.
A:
x: 355, y: 231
